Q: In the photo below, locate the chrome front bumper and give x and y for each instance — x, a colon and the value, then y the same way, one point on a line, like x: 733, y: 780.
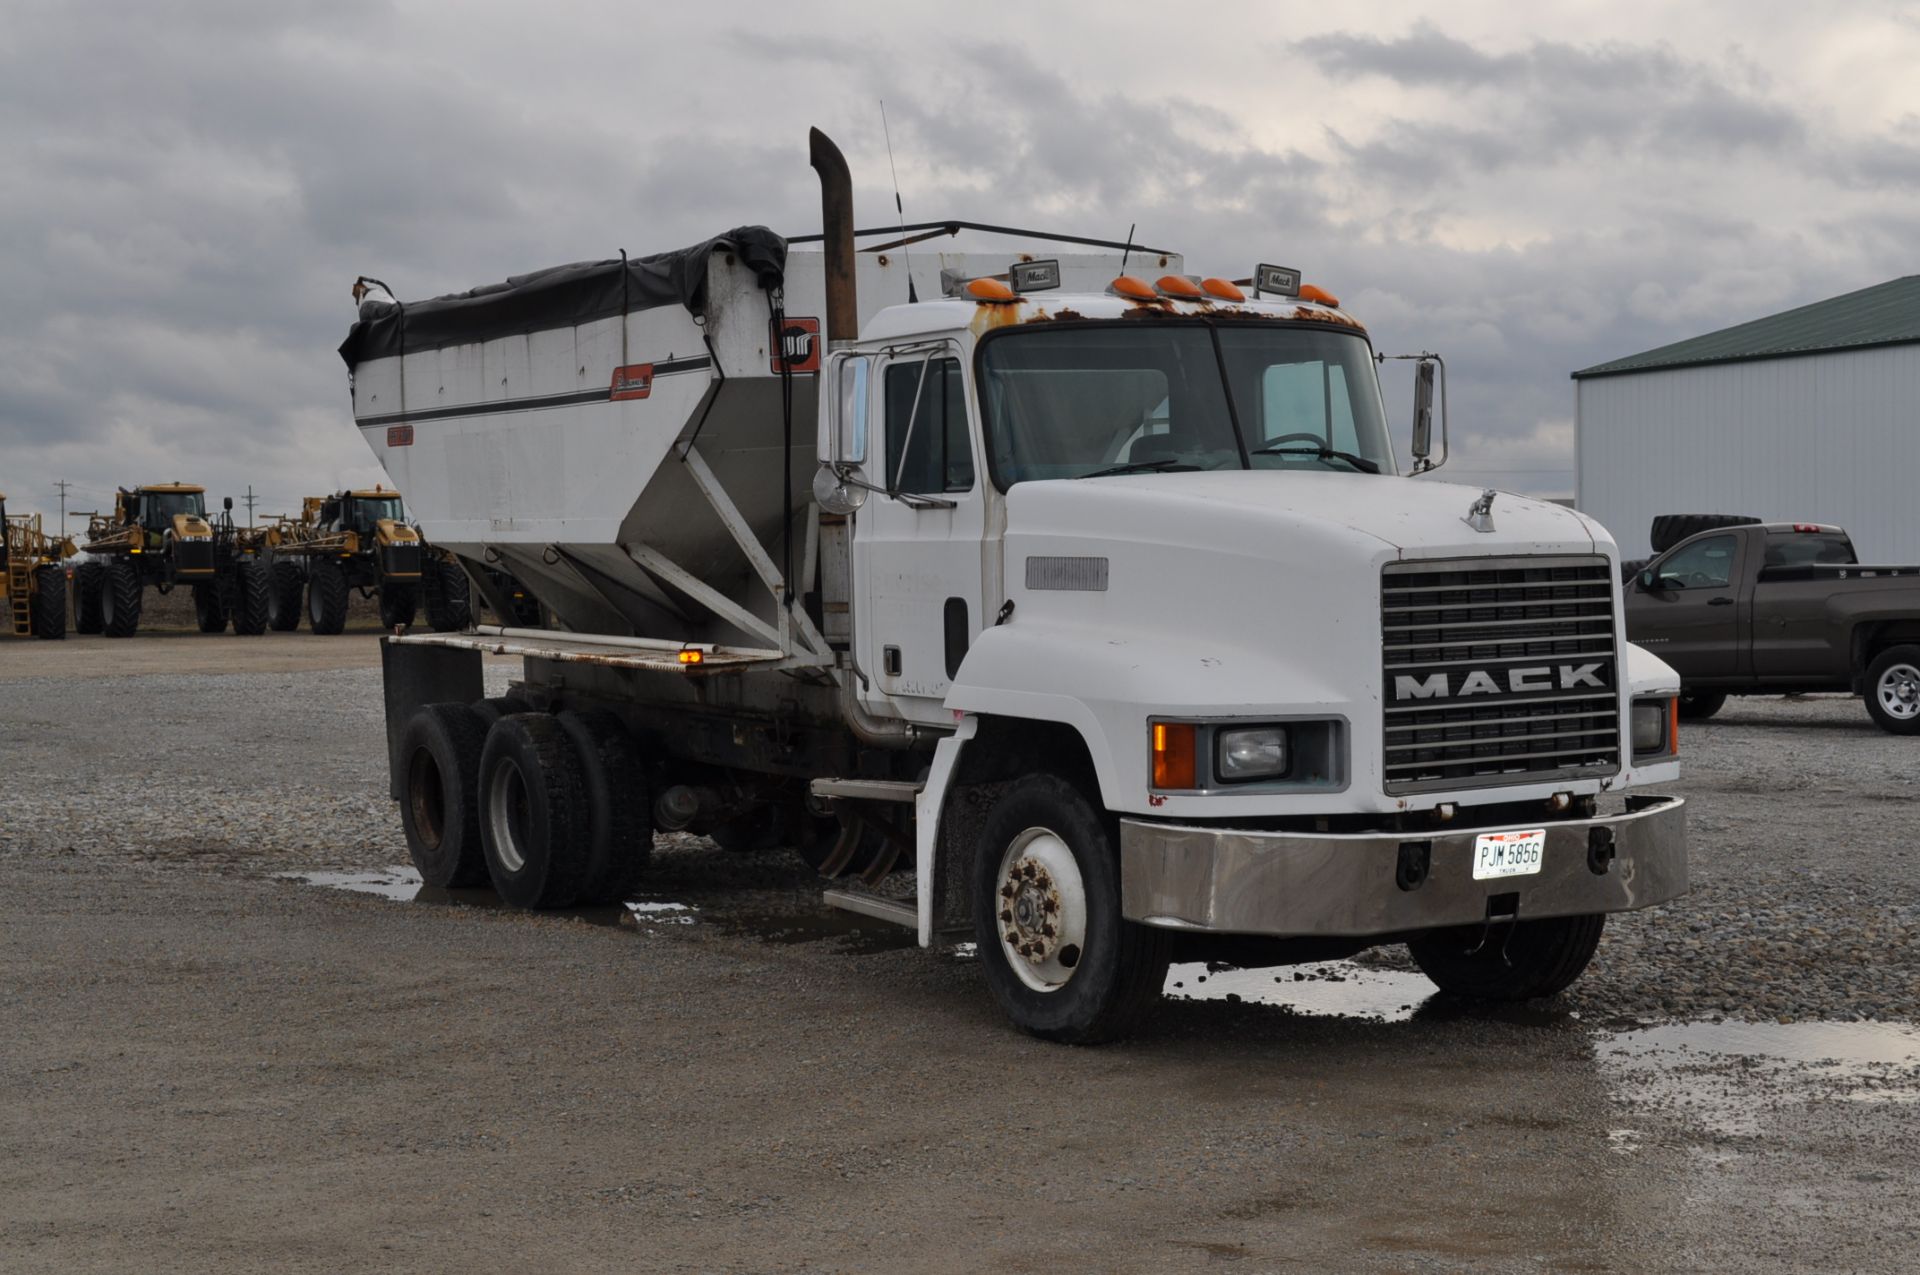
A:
x: 1236, y: 881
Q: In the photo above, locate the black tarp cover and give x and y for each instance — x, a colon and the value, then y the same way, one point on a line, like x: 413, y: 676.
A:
x: 561, y: 296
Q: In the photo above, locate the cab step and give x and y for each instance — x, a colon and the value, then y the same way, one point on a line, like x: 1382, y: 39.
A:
x: 868, y: 789
x: 895, y: 911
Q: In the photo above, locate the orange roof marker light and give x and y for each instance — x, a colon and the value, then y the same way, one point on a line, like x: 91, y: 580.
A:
x: 1222, y: 289
x: 1132, y: 288
x: 1311, y: 292
x: 990, y: 290
x: 1179, y: 286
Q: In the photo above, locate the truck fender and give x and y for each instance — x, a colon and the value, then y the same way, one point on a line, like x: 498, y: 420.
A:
x: 1648, y: 674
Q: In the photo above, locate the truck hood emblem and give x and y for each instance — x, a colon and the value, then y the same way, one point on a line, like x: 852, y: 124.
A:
x: 1480, y: 512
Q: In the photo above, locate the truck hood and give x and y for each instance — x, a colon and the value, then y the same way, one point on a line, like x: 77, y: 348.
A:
x: 1221, y: 509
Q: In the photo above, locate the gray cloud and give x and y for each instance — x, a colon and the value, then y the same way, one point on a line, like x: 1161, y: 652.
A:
x: 192, y: 187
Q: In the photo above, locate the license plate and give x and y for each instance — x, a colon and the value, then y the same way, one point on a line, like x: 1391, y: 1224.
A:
x: 1508, y: 854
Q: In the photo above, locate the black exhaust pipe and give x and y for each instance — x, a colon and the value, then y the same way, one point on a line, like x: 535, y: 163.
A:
x: 836, y: 224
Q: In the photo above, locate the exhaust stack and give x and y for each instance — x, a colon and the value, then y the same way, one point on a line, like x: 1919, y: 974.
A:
x: 836, y: 223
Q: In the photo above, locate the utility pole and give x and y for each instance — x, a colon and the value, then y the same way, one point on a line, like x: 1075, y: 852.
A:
x: 250, y: 503
x: 63, y: 484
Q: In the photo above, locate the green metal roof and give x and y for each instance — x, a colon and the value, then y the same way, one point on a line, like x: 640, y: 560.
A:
x: 1885, y: 314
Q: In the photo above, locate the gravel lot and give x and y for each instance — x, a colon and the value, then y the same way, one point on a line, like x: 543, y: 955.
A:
x: 218, y: 1067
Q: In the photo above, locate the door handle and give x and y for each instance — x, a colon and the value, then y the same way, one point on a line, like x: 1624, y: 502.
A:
x: 1719, y: 602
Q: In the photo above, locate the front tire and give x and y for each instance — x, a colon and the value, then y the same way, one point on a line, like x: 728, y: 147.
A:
x: 1893, y: 690
x: 1698, y: 706
x: 49, y: 604
x: 326, y: 597
x: 534, y: 825
x: 1539, y: 958
x: 120, y: 599
x: 440, y: 748
x: 1060, y: 959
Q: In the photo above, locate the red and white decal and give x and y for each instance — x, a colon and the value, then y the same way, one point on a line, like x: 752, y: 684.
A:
x: 635, y: 380
x: 399, y: 435
x: 799, y: 345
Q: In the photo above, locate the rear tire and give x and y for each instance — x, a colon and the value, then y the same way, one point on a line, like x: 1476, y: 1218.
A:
x: 120, y: 599
x: 1893, y: 690
x: 1047, y: 872
x: 326, y: 597
x: 89, y: 580
x: 285, y: 584
x: 619, y: 806
x: 49, y: 603
x: 534, y: 825
x: 208, y: 609
x: 449, y: 600
x: 1698, y: 706
x: 398, y: 605
x: 1540, y: 958
x: 492, y: 710
x: 250, y: 598
x: 440, y: 748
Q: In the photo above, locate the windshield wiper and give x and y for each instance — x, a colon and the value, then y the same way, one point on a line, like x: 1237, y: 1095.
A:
x: 1165, y: 464
x: 1360, y: 463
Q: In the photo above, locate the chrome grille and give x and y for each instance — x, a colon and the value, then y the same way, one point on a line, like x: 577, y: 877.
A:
x: 1498, y: 671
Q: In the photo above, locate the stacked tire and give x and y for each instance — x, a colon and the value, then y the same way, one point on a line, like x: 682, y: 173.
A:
x: 550, y: 809
x: 1669, y: 530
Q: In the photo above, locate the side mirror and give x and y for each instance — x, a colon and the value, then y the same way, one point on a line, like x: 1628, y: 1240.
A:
x: 229, y: 504
x: 843, y: 434
x: 1422, y: 412
x: 1649, y: 581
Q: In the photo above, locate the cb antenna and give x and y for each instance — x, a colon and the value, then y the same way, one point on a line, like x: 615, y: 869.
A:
x: 906, y: 253
x: 1128, y: 251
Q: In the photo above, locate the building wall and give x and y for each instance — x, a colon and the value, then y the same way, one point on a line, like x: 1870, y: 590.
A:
x: 1820, y: 438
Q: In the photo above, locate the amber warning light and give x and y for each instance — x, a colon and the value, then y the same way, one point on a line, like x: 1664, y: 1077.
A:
x: 693, y: 657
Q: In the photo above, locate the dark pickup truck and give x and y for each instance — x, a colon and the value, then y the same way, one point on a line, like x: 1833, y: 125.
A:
x: 1778, y: 608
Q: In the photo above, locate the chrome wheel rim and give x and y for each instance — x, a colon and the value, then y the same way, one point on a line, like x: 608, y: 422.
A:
x: 1041, y: 910
x: 1899, y: 692
x: 507, y: 814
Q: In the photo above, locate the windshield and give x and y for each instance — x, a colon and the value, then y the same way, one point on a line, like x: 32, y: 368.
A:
x: 367, y: 511
x: 159, y: 507
x: 1076, y: 402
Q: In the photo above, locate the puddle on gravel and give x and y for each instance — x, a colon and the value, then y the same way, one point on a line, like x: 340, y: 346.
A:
x: 804, y: 922
x: 1733, y: 1077
x: 1324, y: 988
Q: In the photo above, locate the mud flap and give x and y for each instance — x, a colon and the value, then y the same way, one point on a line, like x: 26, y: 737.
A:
x: 415, y: 675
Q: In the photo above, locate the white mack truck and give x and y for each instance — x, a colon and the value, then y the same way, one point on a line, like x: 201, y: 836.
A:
x: 1074, y: 606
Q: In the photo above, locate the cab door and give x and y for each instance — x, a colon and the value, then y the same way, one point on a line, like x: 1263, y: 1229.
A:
x: 920, y: 544
x: 1692, y: 619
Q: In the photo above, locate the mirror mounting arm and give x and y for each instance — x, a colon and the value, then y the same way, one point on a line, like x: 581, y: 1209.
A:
x: 1422, y: 462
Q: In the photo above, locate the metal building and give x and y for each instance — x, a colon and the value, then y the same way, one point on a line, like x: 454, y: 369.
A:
x: 1812, y: 415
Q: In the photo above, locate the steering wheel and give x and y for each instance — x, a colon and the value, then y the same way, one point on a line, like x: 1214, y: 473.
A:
x: 1272, y: 443
x: 1701, y: 580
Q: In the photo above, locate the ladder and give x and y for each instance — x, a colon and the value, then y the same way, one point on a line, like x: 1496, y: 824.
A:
x: 19, y: 585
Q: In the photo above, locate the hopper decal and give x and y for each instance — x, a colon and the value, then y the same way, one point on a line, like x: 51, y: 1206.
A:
x: 635, y: 380
x: 399, y: 435
x: 799, y: 345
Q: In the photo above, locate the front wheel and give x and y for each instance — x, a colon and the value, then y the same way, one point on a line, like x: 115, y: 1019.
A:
x: 209, y: 610
x: 1059, y: 957
x: 48, y: 607
x: 326, y: 597
x: 1893, y: 690
x: 1698, y: 706
x: 1511, y: 961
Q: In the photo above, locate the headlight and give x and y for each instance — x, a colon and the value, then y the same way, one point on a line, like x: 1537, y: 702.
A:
x: 1652, y: 725
x: 1258, y: 752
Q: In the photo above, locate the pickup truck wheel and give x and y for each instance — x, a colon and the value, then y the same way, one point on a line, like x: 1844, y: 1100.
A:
x: 1539, y: 958
x: 534, y: 825
x: 1698, y: 706
x: 440, y: 748
x: 1893, y: 690
x: 619, y: 808
x: 1059, y: 957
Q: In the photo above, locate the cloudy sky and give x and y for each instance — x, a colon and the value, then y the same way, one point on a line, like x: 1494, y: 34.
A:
x: 190, y: 187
